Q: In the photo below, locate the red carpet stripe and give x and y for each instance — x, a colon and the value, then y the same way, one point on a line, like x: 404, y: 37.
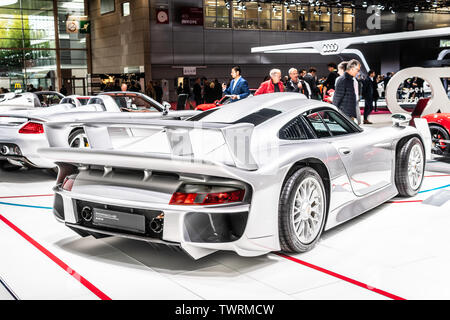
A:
x: 336, y: 275
x: 28, y: 196
x: 56, y: 260
x: 437, y: 175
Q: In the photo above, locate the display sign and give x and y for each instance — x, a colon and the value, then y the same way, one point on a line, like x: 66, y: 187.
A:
x: 72, y: 26
x: 192, y: 16
x: 189, y: 71
x: 78, y: 24
x: 162, y: 16
x: 85, y: 27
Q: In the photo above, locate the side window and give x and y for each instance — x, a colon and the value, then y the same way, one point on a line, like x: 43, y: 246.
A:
x: 98, y: 101
x: 327, y: 123
x: 315, y: 119
x: 336, y: 123
x: 294, y: 130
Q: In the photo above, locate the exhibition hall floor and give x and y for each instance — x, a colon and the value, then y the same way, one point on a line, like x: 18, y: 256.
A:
x: 399, y: 250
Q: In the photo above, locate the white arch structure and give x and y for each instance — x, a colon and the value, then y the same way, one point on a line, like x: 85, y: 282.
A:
x: 439, y: 99
x: 340, y: 46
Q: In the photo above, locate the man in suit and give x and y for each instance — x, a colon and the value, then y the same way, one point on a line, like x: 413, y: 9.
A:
x: 368, y: 94
x: 238, y: 88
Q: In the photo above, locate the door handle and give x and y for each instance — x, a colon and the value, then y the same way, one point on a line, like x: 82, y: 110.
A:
x: 345, y: 151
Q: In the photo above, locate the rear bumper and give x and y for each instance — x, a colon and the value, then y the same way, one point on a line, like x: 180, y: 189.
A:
x: 198, y: 230
x: 23, y: 149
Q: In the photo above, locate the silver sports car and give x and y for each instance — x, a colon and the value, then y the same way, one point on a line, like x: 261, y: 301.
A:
x: 267, y: 173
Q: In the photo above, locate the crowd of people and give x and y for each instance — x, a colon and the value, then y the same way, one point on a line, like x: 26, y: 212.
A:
x: 343, y: 87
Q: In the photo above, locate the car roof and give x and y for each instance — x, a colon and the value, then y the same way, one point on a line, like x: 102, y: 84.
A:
x: 283, y: 102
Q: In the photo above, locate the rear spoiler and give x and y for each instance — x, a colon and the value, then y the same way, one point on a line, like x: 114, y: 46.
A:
x: 237, y: 137
x: 16, y: 116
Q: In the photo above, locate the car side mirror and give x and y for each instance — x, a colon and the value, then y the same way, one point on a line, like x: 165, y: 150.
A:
x: 401, y: 119
x: 166, y: 107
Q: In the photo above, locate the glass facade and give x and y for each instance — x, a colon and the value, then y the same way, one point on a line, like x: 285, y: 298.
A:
x: 267, y: 16
x: 29, y: 48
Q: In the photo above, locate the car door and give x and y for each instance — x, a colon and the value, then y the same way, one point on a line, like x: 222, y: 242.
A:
x: 367, y: 157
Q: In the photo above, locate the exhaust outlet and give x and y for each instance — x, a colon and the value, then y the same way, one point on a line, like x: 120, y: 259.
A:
x: 4, y: 150
x: 86, y: 214
x: 157, y: 224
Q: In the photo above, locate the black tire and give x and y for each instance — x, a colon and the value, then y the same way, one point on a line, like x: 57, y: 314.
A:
x: 6, y: 166
x: 402, y: 181
x: 438, y: 133
x: 289, y: 241
x: 73, y: 134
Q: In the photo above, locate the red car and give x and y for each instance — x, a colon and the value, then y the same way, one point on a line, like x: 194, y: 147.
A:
x: 440, y: 132
x: 218, y: 103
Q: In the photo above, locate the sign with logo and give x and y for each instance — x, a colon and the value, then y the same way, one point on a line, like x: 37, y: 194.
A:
x: 78, y: 24
x: 192, y: 16
x: 85, y: 27
x: 189, y: 71
x: 72, y: 26
x: 162, y: 16
x: 329, y: 48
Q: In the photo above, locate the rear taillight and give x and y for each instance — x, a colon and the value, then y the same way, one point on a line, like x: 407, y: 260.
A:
x: 225, y: 195
x: 32, y: 128
x: 68, y: 183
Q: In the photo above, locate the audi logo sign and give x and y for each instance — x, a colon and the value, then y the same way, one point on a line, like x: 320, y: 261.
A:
x: 330, y: 48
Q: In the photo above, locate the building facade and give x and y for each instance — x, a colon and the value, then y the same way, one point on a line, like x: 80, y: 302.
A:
x: 38, y: 46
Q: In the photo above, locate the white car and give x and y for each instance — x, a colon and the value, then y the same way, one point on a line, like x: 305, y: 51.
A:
x: 29, y: 100
x: 22, y: 131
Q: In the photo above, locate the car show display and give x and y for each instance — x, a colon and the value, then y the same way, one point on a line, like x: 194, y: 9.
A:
x: 217, y: 175
x: 137, y: 164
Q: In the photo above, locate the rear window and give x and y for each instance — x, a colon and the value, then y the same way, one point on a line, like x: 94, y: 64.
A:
x: 83, y: 101
x: 201, y: 115
x: 255, y: 118
x: 259, y: 117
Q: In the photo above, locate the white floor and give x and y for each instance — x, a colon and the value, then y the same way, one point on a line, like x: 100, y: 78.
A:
x: 398, y: 250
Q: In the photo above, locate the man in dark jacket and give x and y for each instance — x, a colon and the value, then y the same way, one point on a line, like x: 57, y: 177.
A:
x: 310, y: 78
x: 386, y: 81
x: 197, y: 90
x: 158, y: 91
x: 331, y: 79
x: 345, y: 95
x: 368, y: 95
x: 295, y: 84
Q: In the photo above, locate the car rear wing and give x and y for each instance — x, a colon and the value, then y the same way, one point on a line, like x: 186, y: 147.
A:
x: 11, y: 120
x: 182, y: 137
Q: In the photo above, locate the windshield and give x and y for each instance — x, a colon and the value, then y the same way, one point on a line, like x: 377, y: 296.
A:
x: 129, y: 102
x: 83, y: 101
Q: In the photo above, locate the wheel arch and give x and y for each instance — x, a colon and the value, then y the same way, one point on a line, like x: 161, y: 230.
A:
x: 75, y: 129
x: 321, y: 169
x: 439, y: 125
x: 401, y: 141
